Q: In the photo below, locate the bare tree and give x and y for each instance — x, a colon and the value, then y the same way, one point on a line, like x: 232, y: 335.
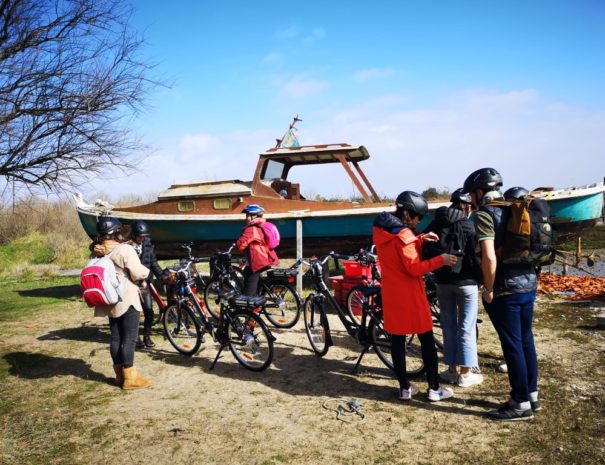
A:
x: 70, y: 79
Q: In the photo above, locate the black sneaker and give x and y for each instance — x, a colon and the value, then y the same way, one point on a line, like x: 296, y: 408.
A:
x: 148, y: 342
x: 535, y: 405
x: 140, y: 344
x: 509, y: 413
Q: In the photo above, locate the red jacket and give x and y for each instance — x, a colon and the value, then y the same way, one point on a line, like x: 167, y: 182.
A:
x: 253, y: 242
x: 405, y: 306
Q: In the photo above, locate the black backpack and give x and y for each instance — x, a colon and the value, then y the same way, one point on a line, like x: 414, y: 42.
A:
x: 529, y: 238
x: 452, y: 240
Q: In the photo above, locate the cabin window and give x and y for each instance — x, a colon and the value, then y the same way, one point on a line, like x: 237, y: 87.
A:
x: 274, y: 170
x: 185, y: 205
x: 222, y: 204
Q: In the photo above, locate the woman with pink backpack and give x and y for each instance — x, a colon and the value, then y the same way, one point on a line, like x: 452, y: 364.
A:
x: 258, y: 240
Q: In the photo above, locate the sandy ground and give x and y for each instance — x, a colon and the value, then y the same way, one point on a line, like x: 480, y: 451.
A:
x: 231, y: 415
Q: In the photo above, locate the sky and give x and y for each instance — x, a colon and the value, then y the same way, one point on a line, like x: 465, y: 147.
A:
x: 433, y: 89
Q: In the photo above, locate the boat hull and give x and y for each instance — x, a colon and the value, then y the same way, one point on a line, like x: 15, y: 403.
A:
x: 572, y: 210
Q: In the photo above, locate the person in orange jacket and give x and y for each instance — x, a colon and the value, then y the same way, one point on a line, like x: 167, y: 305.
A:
x: 405, y: 306
x: 253, y: 242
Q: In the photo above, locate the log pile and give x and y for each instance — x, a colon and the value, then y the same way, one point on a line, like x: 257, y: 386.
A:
x: 572, y: 287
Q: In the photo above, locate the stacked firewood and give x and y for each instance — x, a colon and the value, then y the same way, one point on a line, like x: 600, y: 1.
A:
x: 572, y: 287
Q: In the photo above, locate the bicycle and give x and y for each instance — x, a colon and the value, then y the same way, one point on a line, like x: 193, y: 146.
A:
x: 283, y: 304
x: 237, y: 326
x: 368, y: 331
x: 355, y: 297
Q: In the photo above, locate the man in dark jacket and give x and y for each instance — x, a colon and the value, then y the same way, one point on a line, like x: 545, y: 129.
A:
x: 141, y: 241
x: 457, y: 289
x: 508, y: 297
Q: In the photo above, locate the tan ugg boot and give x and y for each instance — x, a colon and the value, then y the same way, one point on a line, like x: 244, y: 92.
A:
x: 132, y: 379
x: 119, y: 370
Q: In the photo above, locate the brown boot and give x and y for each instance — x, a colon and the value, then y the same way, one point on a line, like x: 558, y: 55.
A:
x: 132, y: 379
x: 119, y: 369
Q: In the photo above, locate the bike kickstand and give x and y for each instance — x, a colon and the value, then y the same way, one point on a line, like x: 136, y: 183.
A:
x: 218, y: 354
x: 363, y: 352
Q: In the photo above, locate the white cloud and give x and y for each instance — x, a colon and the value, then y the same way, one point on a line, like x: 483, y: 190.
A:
x: 272, y: 57
x: 372, y: 73
x: 316, y: 35
x: 288, y: 33
x: 300, y: 86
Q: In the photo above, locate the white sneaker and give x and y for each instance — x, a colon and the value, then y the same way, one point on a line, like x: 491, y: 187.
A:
x: 470, y: 379
x: 440, y: 394
x: 406, y: 394
x: 449, y: 376
x: 503, y: 368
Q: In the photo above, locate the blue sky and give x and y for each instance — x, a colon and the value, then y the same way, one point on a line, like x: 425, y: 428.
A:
x: 433, y: 89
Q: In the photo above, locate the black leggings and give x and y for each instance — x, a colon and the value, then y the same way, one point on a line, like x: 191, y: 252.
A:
x: 147, y: 304
x: 124, y: 331
x: 252, y: 280
x: 429, y: 357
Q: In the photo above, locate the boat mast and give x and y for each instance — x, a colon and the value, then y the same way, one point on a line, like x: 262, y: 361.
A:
x: 295, y: 120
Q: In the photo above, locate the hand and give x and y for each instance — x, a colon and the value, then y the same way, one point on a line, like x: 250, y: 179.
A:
x: 487, y: 296
x: 448, y: 259
x: 430, y: 237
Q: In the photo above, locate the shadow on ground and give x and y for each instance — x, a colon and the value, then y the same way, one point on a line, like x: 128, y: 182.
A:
x: 39, y: 366
x: 69, y: 292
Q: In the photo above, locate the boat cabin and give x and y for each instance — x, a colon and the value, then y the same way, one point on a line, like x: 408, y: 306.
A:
x: 271, y: 175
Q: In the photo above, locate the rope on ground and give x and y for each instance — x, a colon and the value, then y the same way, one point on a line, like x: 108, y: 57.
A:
x: 344, y: 409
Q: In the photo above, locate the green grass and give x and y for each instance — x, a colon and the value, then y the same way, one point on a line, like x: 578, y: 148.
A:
x: 23, y: 298
x: 593, y: 238
x: 32, y: 248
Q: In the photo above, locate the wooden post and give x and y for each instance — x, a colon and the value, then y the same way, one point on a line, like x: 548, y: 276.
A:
x: 299, y: 254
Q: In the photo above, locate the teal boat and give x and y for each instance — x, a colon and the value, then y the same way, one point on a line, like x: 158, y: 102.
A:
x: 209, y: 214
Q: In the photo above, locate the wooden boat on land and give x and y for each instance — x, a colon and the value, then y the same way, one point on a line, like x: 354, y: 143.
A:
x: 209, y: 214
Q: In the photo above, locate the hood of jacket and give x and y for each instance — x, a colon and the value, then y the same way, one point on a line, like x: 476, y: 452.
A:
x: 386, y: 228
x: 100, y: 250
x: 258, y: 221
x: 445, y: 216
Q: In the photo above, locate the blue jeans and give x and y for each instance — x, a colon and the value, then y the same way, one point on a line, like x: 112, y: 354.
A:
x: 459, y: 306
x: 512, y: 317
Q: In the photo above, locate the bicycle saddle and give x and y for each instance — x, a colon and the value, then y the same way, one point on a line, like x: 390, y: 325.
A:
x: 249, y: 301
x: 370, y: 290
x: 226, y: 295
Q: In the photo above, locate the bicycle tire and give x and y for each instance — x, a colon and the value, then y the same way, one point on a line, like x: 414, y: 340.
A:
x: 283, y: 304
x: 316, y: 326
x: 437, y: 329
x: 249, y: 340
x: 182, y: 329
x: 211, y: 300
x: 354, y: 304
x: 414, y: 365
x: 381, y: 340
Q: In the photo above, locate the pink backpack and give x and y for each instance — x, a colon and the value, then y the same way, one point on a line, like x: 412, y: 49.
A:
x: 99, y: 282
x: 272, y: 236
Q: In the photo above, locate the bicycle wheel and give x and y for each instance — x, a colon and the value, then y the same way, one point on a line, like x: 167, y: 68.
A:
x: 355, y: 299
x: 414, y: 365
x: 182, y: 329
x: 283, y: 304
x: 316, y: 326
x: 211, y: 297
x: 437, y: 330
x: 381, y: 340
x: 249, y: 340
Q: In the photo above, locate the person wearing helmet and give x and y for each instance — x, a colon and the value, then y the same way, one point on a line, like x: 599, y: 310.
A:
x: 405, y: 306
x: 253, y: 242
x: 508, y: 297
x: 141, y: 241
x: 123, y: 316
x: 515, y: 193
x: 457, y: 289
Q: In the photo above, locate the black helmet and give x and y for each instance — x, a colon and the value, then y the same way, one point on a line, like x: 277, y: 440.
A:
x: 487, y: 179
x: 254, y: 210
x: 412, y: 202
x: 516, y: 193
x: 140, y: 228
x: 108, y: 225
x: 460, y: 197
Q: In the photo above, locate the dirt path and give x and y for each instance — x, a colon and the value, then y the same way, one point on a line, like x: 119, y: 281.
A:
x: 230, y: 415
